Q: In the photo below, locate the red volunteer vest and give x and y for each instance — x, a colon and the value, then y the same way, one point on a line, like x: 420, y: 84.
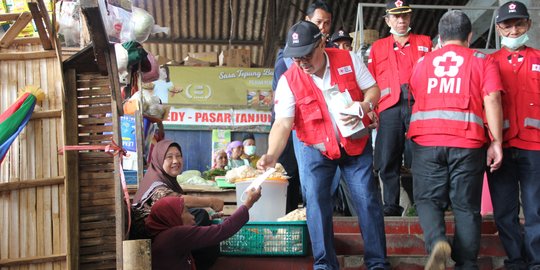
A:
x: 521, y: 102
x: 312, y: 119
x: 382, y: 64
x: 446, y: 102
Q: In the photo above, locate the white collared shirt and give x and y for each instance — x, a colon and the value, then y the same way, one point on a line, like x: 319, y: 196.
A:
x: 284, y: 101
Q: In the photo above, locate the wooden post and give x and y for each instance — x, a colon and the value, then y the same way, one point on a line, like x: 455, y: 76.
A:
x: 137, y: 255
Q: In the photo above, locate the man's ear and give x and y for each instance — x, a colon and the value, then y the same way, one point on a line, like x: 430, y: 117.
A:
x: 469, y: 38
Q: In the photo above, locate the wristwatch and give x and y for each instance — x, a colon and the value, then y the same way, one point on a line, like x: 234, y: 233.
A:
x: 371, y: 108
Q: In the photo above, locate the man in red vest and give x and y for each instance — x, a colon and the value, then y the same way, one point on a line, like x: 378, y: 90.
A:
x: 454, y: 89
x: 519, y: 174
x: 326, y: 96
x: 390, y: 62
x: 320, y: 13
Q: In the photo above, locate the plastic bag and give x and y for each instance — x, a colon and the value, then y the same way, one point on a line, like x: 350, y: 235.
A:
x: 116, y: 21
x: 142, y: 24
x: 69, y: 23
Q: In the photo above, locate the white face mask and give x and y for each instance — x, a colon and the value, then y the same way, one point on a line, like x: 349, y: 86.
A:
x: 394, y: 32
x: 514, y: 43
x: 250, y: 150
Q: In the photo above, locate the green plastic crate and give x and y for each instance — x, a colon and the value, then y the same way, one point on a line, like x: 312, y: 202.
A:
x: 287, y: 238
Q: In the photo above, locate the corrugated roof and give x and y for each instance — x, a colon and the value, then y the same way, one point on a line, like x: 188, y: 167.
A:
x: 261, y: 26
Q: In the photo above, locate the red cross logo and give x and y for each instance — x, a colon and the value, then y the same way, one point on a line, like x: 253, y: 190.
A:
x: 295, y: 37
x: 398, y: 3
x: 448, y: 63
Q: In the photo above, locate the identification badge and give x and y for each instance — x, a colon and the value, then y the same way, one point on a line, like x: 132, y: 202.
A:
x: 344, y: 70
x: 423, y: 49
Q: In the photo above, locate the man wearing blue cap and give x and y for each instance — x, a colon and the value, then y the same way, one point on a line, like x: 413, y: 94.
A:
x: 390, y: 62
x: 305, y: 98
x: 520, y: 73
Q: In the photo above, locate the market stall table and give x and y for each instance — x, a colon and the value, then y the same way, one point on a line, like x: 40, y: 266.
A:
x: 228, y: 195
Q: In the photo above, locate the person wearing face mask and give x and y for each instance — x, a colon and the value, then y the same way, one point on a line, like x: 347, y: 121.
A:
x: 249, y: 150
x: 390, y: 62
x: 520, y: 73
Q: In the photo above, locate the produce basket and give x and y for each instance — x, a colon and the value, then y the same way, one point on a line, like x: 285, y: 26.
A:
x: 286, y: 238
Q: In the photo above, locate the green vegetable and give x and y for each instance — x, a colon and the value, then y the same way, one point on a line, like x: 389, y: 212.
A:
x: 210, y: 174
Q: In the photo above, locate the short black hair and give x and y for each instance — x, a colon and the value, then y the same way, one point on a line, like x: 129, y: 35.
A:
x: 248, y: 136
x: 319, y: 4
x: 454, y: 25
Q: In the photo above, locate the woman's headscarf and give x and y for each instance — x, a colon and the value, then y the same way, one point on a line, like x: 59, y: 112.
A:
x: 231, y: 146
x: 156, y: 173
x: 165, y: 214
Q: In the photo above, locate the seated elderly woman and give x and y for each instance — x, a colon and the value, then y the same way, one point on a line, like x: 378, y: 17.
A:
x: 174, y: 236
x: 220, y: 160
x: 160, y: 182
x: 235, y: 149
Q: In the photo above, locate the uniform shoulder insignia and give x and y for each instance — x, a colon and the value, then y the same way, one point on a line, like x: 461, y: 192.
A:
x: 479, y: 54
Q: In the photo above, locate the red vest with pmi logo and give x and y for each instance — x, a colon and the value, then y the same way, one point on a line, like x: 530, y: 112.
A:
x: 383, y: 65
x: 312, y: 120
x: 521, y: 103
x: 447, y: 101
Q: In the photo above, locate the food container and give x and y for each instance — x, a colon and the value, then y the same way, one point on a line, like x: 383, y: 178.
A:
x: 272, y: 203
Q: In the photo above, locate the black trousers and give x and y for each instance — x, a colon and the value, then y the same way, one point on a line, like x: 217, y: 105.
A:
x: 392, y: 147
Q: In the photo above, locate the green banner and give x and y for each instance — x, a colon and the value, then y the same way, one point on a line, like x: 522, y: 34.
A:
x: 250, y: 87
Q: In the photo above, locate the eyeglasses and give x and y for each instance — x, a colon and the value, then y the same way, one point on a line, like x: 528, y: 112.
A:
x: 308, y: 56
x: 520, y: 25
x: 304, y: 58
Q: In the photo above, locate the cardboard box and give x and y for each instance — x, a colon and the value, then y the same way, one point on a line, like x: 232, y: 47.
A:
x: 235, y: 58
x: 193, y: 62
x: 210, y: 57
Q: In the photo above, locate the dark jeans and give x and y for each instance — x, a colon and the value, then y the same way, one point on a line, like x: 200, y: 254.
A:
x: 317, y: 174
x: 444, y: 176
x: 520, y: 172
x: 390, y: 147
x: 204, y: 257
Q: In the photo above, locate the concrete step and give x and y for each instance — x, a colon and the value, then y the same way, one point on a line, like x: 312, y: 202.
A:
x: 405, y: 247
x: 404, y: 236
x: 346, y: 263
